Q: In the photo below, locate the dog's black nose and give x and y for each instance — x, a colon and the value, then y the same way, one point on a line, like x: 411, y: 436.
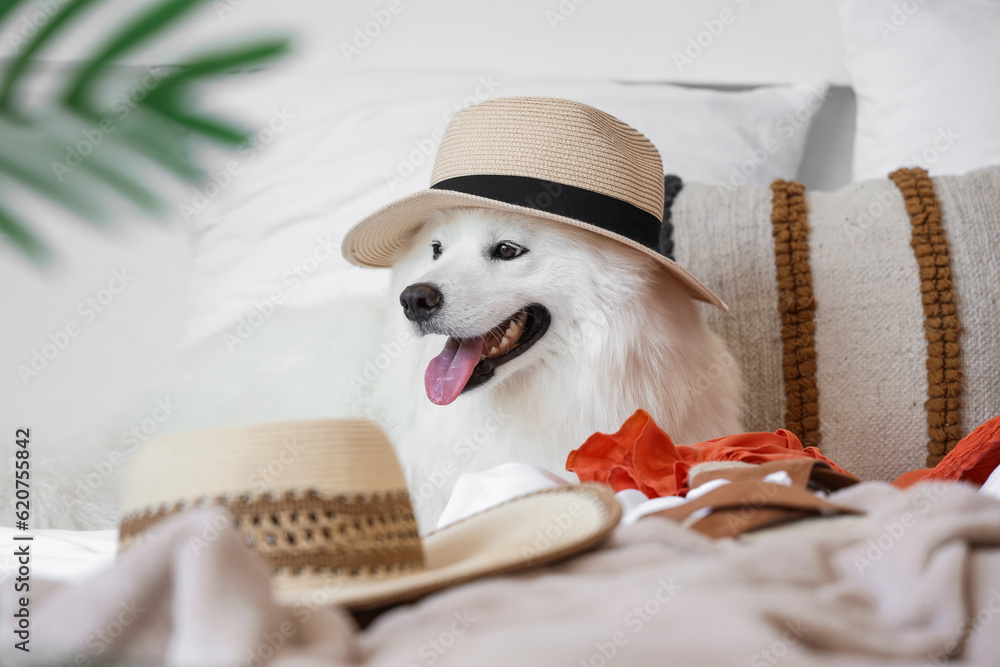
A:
x: 420, y: 301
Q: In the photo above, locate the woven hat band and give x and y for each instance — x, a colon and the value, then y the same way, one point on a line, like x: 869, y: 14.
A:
x: 600, y: 210
x: 355, y: 536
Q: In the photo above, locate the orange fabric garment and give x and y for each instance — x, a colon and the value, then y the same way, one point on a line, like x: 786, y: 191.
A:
x: 641, y: 456
x: 972, y: 460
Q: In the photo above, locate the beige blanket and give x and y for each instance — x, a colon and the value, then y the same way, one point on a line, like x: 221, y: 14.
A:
x: 913, y: 583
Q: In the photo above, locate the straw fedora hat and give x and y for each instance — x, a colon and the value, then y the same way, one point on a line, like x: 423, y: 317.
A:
x: 550, y: 158
x: 324, y: 503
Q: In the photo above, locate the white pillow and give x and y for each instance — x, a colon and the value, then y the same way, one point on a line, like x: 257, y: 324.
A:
x: 339, y: 143
x: 927, y: 80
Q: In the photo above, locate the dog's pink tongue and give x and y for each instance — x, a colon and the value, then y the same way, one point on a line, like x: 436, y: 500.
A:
x: 449, y: 371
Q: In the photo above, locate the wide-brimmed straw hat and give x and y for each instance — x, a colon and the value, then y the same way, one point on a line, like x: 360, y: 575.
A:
x: 325, y: 504
x: 550, y: 158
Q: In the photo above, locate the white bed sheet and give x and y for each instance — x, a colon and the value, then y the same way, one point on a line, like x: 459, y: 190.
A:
x: 74, y: 555
x: 60, y: 555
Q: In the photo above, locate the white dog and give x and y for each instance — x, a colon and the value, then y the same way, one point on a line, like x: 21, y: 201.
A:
x: 521, y: 337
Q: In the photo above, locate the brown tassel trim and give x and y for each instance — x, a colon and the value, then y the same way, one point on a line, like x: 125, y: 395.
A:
x: 796, y: 305
x: 363, y: 535
x: 941, y: 325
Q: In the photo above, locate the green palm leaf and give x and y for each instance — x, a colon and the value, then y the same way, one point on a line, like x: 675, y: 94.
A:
x: 212, y: 128
x: 126, y: 151
x: 6, y: 6
x: 17, y: 68
x: 24, y: 238
x: 43, y: 184
x: 131, y: 189
x: 144, y: 27
x: 220, y: 62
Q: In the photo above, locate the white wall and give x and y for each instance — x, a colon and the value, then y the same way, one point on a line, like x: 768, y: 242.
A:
x: 763, y: 41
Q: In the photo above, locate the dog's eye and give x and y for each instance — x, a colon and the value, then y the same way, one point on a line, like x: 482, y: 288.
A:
x: 507, y: 250
x: 435, y: 249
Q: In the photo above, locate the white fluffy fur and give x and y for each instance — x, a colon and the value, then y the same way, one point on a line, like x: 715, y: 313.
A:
x: 624, y: 335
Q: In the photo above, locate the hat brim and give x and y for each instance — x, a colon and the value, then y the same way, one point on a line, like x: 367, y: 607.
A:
x: 375, y: 240
x: 525, y: 532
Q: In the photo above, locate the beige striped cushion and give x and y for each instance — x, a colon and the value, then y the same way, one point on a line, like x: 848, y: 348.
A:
x: 870, y: 347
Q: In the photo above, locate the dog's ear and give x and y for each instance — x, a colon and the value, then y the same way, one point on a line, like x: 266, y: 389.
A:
x: 671, y: 186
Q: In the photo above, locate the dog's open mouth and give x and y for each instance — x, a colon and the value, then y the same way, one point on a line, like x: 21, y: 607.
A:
x: 466, y: 363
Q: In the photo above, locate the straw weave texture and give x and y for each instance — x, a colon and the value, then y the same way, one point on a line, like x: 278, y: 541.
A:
x: 542, y: 138
x: 554, y: 140
x: 359, y: 536
x: 327, y: 457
